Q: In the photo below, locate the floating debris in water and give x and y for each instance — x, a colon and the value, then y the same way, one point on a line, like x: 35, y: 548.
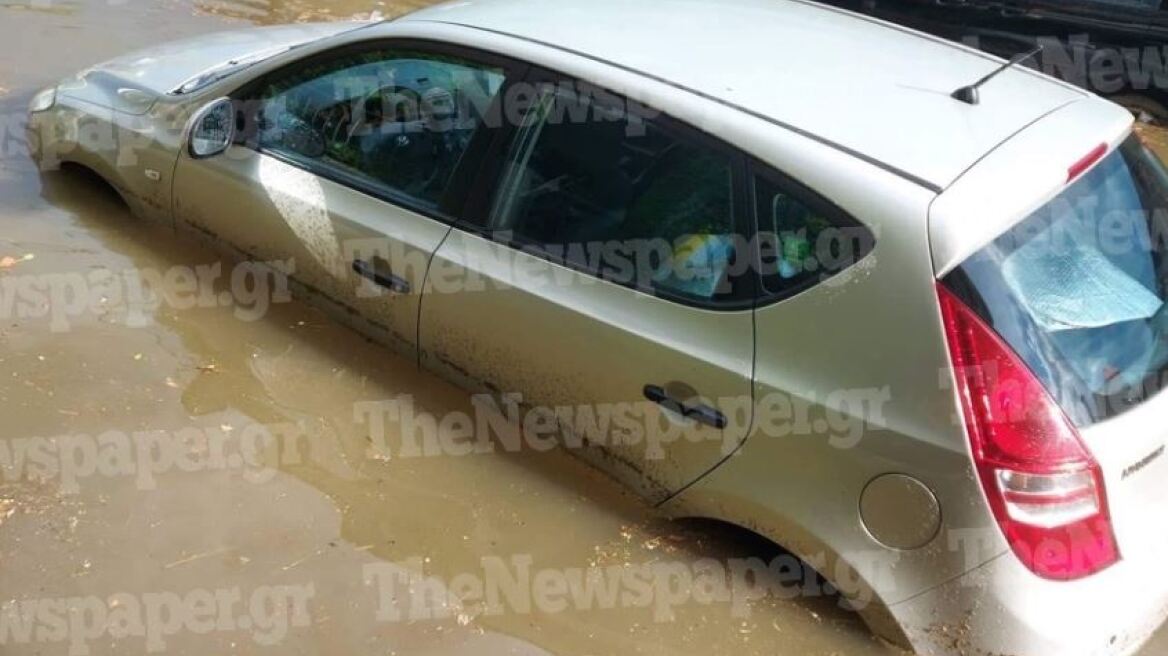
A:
x: 7, y: 262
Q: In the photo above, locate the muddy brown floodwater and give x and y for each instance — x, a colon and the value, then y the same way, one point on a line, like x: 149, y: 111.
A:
x: 306, y: 545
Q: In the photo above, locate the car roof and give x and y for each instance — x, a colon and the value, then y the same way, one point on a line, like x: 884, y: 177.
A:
x: 878, y: 91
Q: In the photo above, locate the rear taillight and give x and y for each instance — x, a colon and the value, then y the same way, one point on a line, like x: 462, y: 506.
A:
x: 1043, y: 485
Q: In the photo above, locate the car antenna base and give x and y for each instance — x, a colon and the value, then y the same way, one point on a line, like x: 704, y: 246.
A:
x: 971, y: 95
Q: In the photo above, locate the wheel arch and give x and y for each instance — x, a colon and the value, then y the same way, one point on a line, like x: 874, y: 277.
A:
x: 834, y: 567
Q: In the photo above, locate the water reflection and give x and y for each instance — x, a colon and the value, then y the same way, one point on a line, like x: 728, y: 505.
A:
x: 62, y: 7
x: 273, y: 12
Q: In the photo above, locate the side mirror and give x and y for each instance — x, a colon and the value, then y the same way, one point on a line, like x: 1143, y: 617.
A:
x: 213, y: 129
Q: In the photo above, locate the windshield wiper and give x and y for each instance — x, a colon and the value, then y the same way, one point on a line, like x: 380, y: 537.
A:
x: 230, y: 67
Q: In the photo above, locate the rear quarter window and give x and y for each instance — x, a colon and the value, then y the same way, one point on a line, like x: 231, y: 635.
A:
x: 803, y: 240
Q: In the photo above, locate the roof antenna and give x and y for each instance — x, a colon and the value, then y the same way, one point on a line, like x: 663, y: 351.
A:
x: 970, y: 96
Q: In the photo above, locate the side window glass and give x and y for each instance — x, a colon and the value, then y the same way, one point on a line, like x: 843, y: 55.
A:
x: 398, y: 119
x: 630, y: 198
x: 803, y: 243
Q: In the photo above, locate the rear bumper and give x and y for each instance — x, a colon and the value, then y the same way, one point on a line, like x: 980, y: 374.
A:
x: 1002, y: 608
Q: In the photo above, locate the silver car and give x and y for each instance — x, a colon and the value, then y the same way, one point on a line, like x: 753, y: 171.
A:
x: 765, y: 261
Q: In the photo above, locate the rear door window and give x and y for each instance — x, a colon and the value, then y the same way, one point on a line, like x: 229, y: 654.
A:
x: 1078, y: 288
x: 634, y: 199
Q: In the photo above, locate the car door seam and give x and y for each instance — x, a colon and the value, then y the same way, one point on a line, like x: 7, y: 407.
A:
x: 422, y: 297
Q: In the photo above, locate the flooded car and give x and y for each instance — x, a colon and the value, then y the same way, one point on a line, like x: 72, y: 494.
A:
x: 891, y: 342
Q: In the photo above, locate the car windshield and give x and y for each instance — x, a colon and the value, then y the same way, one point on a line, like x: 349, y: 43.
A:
x: 227, y: 68
x: 1078, y: 288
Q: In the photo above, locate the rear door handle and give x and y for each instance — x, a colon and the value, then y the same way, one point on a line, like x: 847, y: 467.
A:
x: 395, y: 284
x: 701, y: 413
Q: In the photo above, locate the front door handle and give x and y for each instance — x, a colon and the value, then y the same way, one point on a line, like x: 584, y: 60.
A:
x: 701, y: 413
x: 395, y: 284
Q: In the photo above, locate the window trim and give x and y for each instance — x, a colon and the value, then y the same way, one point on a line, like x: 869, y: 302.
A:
x: 453, y: 202
x: 480, y: 200
x: 466, y: 204
x: 757, y: 169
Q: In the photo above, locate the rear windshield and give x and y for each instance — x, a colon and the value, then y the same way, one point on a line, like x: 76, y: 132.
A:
x: 1078, y: 288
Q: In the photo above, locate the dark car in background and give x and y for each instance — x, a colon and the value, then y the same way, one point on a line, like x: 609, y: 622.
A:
x: 1116, y: 48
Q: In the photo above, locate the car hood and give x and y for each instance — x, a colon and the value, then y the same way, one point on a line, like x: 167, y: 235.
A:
x: 131, y: 83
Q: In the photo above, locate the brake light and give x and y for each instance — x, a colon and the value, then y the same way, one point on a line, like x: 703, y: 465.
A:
x: 1089, y: 159
x: 1043, y: 485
